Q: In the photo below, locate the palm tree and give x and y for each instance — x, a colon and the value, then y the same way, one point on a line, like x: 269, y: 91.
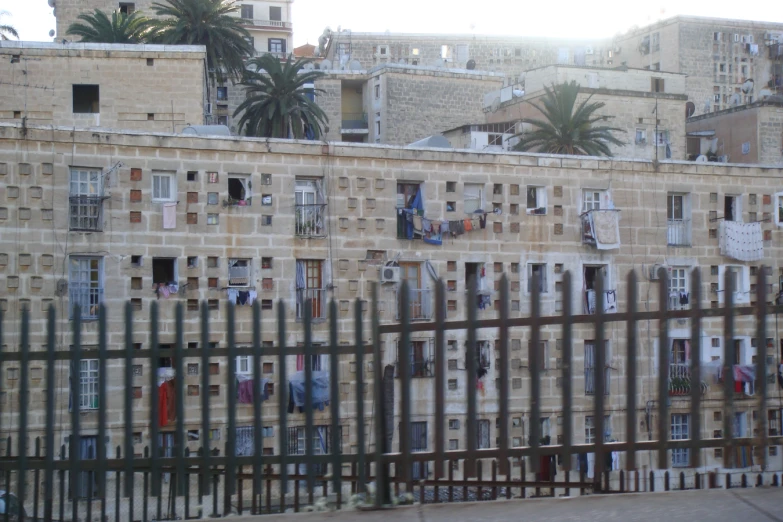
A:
x: 121, y: 28
x: 208, y: 23
x: 566, y: 129
x: 277, y: 105
x: 7, y: 30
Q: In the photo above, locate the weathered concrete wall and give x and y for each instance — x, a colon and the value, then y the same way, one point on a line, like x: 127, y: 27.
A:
x: 771, y: 135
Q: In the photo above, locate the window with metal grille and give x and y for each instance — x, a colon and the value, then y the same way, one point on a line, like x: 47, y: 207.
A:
x: 590, y: 429
x: 774, y: 422
x: 88, y: 384
x: 85, y: 284
x: 590, y: 368
x: 310, y: 286
x: 86, y: 200
x: 244, y: 365
x: 245, y: 441
x: 85, y: 485
x: 483, y: 434
x: 239, y: 272
x: 418, y: 441
x: 321, y: 443
x: 680, y: 431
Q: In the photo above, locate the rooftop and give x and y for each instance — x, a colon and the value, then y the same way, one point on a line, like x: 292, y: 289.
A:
x: 776, y: 101
x: 66, y: 49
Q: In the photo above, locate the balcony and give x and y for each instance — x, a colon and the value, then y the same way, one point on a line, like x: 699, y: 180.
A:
x: 679, y: 379
x: 420, y: 367
x: 601, y: 228
x: 310, y: 220
x: 316, y: 297
x: 679, y: 232
x: 86, y: 213
x: 88, y: 299
x: 419, y: 304
x: 267, y: 24
x: 354, y: 123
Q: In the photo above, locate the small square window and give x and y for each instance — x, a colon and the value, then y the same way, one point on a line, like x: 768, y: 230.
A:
x: 451, y: 186
x: 266, y: 304
x: 86, y: 99
x: 497, y: 189
x: 214, y: 390
x: 212, y: 219
x: 192, y: 262
x: 266, y: 263
x: 452, y: 384
x: 266, y: 199
x: 453, y: 444
x: 137, y: 261
x: 452, y: 344
x: 451, y: 266
x: 213, y: 262
x: 266, y: 221
x: 451, y: 206
x: 192, y: 175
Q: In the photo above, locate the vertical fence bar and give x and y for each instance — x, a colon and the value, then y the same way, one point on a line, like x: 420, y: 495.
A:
x: 282, y: 405
x: 599, y: 375
x: 49, y: 440
x: 663, y: 367
x: 334, y: 370
x: 761, y: 368
x: 128, y: 413
x: 231, y: 403
x: 381, y: 493
x: 24, y: 400
x: 2, y: 383
x: 102, y: 407
x: 258, y: 394
x: 36, y: 480
x: 471, y: 431
x: 308, y: 402
x: 504, y: 375
x: 728, y: 370
x: 75, y: 444
x: 632, y: 351
x: 404, y: 349
x: 205, y: 430
x: 535, y: 372
x: 359, y: 333
x: 695, y: 435
x: 154, y: 397
x: 568, y: 361
x: 440, y: 379
x: 179, y: 370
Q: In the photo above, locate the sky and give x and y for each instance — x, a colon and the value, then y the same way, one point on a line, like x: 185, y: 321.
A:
x: 566, y: 18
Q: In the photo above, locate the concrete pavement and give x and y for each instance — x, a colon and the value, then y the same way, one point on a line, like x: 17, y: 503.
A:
x: 747, y: 505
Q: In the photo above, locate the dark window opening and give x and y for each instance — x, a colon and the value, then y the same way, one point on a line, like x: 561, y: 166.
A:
x: 276, y: 14
x: 246, y: 12
x: 86, y: 99
x: 150, y: 61
x: 729, y: 208
x: 127, y: 8
x: 164, y: 270
x: 657, y: 85
x: 471, y: 271
x: 222, y: 93
x: 276, y: 45
x: 591, y: 276
x: 239, y: 190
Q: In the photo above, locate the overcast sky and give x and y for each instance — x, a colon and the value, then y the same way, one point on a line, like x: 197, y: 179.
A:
x: 580, y: 19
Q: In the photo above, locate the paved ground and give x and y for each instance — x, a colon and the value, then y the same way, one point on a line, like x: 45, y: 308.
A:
x: 745, y: 505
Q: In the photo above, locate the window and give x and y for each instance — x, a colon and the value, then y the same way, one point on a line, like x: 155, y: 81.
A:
x: 343, y: 50
x: 275, y: 14
x: 321, y: 444
x: 86, y: 200
x: 245, y: 441
x: 732, y: 208
x: 276, y: 45
x: 446, y: 52
x: 222, y: 93
x: 494, y: 139
x: 88, y: 450
x: 590, y: 361
x: 543, y: 354
x: 378, y: 127
x: 590, y: 428
x: 408, y: 197
x: 383, y: 50
x: 422, y: 363
x: 239, y: 272
x: 678, y: 288
x: 244, y: 365
x: 680, y: 431
x: 678, y: 219
x: 740, y: 276
x: 536, y: 269
x: 483, y: 434
x: 164, y: 186
x: 310, y: 286
x: 657, y: 85
x: 310, y: 208
x: 164, y: 270
x: 717, y: 37
x: 483, y: 354
x: 778, y: 202
x: 88, y: 385
x: 474, y: 197
x: 127, y: 8
x: 591, y: 199
x: 656, y: 42
x: 536, y: 200
x: 239, y: 190
x: 85, y: 284
x: 377, y: 92
x: 418, y: 444
x: 86, y: 99
x: 641, y: 136
x: 774, y: 422
x: 246, y: 11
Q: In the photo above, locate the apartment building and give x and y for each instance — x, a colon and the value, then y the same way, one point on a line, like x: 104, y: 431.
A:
x: 153, y: 217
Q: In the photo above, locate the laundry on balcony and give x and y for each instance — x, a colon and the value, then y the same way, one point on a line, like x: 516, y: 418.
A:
x: 433, y: 231
x: 741, y: 241
x: 241, y: 297
x: 245, y: 393
x: 167, y: 397
x: 601, y: 227
x: 296, y: 391
x: 165, y: 290
x: 610, y: 301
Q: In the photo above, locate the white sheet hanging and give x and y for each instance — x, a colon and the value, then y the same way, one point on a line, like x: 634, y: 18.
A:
x: 742, y: 241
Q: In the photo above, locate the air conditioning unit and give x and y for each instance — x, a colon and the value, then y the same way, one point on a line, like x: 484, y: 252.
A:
x: 390, y: 274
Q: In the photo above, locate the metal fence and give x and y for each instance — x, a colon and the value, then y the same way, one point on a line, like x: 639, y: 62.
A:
x: 170, y: 482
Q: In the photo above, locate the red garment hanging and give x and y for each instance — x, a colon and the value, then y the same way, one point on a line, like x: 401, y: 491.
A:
x: 300, y: 362
x: 163, y: 409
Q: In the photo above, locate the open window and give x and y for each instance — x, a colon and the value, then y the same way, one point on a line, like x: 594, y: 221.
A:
x: 536, y: 200
x: 410, y: 203
x: 483, y: 355
x: 539, y: 270
x: 678, y: 213
x: 421, y: 357
x: 732, y: 207
x: 740, y: 277
x: 239, y: 190
x: 127, y: 8
x: 310, y: 208
x: 778, y: 202
x: 86, y: 99
x: 474, y: 197
x: 164, y: 270
x: 239, y: 272
x: 591, y: 273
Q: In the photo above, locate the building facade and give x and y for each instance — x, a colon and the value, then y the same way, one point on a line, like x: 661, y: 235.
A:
x: 90, y: 216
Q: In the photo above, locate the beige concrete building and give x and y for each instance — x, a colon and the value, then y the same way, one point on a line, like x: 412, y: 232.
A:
x: 269, y: 22
x: 641, y: 102
x: 717, y: 55
x: 746, y: 134
x: 152, y: 88
x: 95, y: 216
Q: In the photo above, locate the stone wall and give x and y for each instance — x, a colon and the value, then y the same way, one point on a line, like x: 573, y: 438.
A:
x: 771, y: 135
x: 359, y: 183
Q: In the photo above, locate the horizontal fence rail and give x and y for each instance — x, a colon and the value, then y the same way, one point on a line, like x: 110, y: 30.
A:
x: 312, y: 464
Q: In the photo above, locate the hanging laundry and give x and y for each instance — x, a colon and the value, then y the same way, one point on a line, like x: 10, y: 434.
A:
x: 320, y: 390
x: 170, y: 215
x: 467, y: 225
x: 436, y: 227
x: 232, y: 295
x: 684, y: 297
x: 483, y: 221
x: 426, y: 225
x: 445, y: 227
x: 742, y: 241
x: 432, y: 238
x: 610, y: 301
x: 417, y: 223
x: 252, y: 295
x: 242, y: 297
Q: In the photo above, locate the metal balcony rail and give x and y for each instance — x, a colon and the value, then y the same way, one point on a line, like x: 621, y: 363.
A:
x: 310, y: 220
x: 88, y: 299
x: 312, y: 300
x: 86, y: 213
x: 419, y: 304
x: 175, y: 479
x: 678, y: 232
x: 420, y: 367
x: 680, y: 378
x: 354, y: 120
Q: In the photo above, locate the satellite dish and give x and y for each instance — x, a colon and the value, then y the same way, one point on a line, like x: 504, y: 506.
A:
x: 471, y: 64
x: 51, y: 33
x: 326, y: 65
x: 747, y: 87
x: 308, y: 66
x: 495, y: 104
x: 690, y: 108
x: 701, y: 159
x: 736, y: 99
x: 355, y: 65
x: 498, y: 211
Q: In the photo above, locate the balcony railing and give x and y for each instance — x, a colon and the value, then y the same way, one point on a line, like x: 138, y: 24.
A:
x: 267, y: 23
x: 317, y: 300
x: 310, y: 220
x: 679, y: 232
x: 680, y: 378
x: 354, y: 121
x: 88, y: 299
x: 86, y: 213
x: 424, y: 367
x: 590, y: 380
x: 419, y: 304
